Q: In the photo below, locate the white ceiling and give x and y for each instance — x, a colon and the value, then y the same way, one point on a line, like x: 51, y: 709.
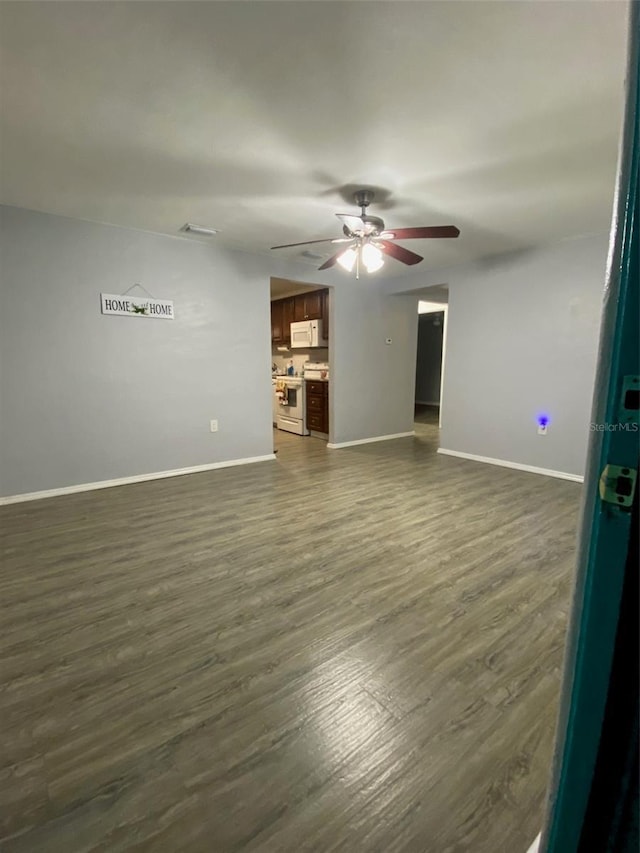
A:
x: 281, y: 287
x: 499, y: 117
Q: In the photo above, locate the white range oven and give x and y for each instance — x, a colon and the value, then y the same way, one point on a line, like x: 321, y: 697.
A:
x: 290, y: 404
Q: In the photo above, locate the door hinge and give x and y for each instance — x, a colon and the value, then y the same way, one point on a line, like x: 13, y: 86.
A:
x: 618, y: 485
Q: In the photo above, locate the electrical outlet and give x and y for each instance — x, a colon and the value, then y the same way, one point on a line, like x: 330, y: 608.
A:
x: 213, y: 426
x: 543, y: 429
x: 389, y: 341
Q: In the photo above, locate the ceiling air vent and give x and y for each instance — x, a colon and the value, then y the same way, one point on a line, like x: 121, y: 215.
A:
x: 190, y: 228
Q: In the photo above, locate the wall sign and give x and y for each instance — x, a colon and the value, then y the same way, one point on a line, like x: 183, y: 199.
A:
x: 137, y: 306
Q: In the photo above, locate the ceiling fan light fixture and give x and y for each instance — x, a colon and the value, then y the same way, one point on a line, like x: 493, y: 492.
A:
x: 347, y: 259
x: 372, y: 257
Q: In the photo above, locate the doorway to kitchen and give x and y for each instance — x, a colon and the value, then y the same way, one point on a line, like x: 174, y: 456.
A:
x: 430, y: 363
x: 300, y: 358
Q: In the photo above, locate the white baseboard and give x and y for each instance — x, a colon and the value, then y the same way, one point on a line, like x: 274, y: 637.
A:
x: 370, y: 440
x: 536, y: 845
x: 503, y: 463
x: 126, y: 481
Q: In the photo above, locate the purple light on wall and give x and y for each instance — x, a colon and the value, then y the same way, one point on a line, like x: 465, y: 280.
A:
x: 543, y: 419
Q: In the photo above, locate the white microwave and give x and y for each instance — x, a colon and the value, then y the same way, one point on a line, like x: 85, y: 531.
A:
x: 307, y: 334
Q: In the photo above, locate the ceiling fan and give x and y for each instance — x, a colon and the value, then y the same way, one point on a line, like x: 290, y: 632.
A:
x: 369, y: 241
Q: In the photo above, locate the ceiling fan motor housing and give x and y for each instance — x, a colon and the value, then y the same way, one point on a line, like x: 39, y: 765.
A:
x: 373, y: 226
x: 364, y: 198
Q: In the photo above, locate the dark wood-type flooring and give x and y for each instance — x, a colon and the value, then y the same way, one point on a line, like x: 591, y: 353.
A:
x: 353, y: 650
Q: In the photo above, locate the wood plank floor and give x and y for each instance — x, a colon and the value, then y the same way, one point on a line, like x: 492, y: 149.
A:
x: 353, y: 650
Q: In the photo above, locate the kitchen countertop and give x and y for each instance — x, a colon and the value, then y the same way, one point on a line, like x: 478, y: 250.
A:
x: 306, y: 379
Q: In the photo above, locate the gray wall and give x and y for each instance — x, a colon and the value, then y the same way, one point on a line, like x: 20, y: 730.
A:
x: 372, y: 388
x: 85, y: 398
x: 429, y: 357
x: 522, y: 339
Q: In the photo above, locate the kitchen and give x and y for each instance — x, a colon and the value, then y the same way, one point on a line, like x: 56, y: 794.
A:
x: 300, y: 358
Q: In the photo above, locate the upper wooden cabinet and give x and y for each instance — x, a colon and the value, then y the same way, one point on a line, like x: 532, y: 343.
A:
x: 311, y: 305
x: 325, y: 312
x: 288, y: 313
x: 298, y: 309
x: 307, y: 306
x: 277, y: 325
x: 295, y: 309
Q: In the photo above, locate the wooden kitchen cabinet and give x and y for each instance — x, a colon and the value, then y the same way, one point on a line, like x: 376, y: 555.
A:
x: 324, y: 311
x: 312, y: 305
x: 315, y: 422
x: 287, y: 317
x: 277, y: 326
x: 295, y: 309
x: 308, y: 306
x: 317, y: 406
x: 298, y: 309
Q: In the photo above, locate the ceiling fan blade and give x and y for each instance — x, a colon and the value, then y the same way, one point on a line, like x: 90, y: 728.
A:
x: 332, y: 261
x: 307, y: 243
x: 416, y: 233
x: 399, y: 252
x: 353, y: 223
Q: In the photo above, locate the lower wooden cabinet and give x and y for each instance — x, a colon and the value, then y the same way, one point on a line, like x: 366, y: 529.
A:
x: 317, y: 406
x: 315, y: 422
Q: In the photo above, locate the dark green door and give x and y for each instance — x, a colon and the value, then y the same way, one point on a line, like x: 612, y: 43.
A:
x: 593, y: 793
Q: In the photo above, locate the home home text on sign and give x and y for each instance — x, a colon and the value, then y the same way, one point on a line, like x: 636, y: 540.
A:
x: 137, y: 306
